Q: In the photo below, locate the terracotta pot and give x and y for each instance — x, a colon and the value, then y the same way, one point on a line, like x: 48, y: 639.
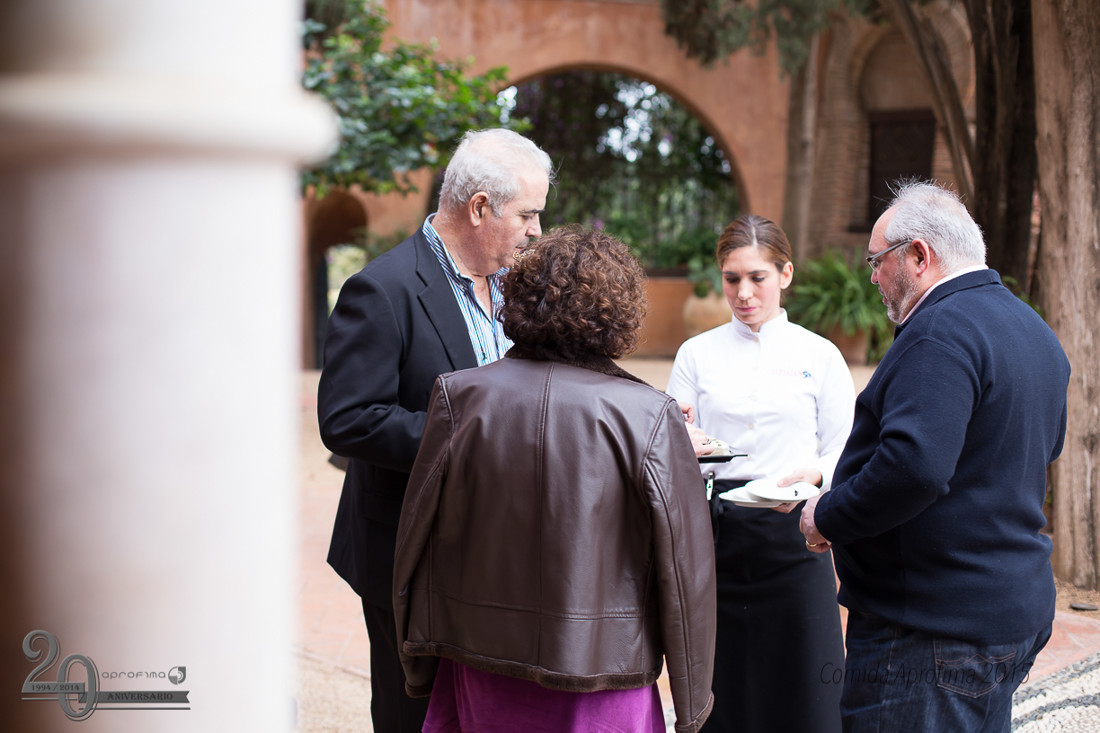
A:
x: 705, y: 313
x: 853, y: 348
x: 663, y: 328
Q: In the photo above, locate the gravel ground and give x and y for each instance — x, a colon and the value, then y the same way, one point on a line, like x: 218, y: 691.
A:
x: 334, y: 700
x: 1069, y: 594
x: 330, y: 699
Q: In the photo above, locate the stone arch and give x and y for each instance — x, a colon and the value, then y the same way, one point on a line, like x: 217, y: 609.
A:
x: 885, y: 86
x: 742, y: 100
x: 889, y: 77
x: 864, y: 44
x: 854, y: 81
x: 841, y: 152
x: 880, y: 42
x: 337, y: 218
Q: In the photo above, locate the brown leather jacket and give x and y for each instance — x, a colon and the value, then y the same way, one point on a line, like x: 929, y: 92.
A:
x: 555, y: 528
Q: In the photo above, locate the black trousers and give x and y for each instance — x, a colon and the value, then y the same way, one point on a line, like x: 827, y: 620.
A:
x: 779, y: 645
x: 391, y: 710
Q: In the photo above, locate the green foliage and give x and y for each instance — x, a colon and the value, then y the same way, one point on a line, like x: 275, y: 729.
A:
x: 713, y: 29
x: 705, y: 275
x: 344, y: 260
x: 694, y: 243
x: 832, y: 291
x: 628, y: 226
x: 399, y: 109
x: 1014, y: 285
x: 634, y: 162
x: 374, y: 244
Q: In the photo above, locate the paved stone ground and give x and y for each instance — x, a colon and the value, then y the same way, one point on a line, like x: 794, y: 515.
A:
x: 333, y: 653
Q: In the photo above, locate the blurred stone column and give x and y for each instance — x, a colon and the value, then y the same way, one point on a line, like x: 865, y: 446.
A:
x: 149, y: 352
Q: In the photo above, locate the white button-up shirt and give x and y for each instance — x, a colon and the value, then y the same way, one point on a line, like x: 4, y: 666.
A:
x: 784, y: 396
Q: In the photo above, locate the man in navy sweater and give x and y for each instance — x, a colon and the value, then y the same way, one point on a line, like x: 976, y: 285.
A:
x: 935, y: 511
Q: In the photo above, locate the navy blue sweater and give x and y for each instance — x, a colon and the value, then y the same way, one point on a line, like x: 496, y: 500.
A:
x: 936, y: 507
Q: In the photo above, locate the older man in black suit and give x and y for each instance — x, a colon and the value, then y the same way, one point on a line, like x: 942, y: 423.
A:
x: 425, y: 307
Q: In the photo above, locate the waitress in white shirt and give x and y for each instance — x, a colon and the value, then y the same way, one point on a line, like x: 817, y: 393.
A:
x: 784, y: 396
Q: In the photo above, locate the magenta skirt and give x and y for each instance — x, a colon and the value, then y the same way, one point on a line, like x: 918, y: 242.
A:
x: 467, y: 700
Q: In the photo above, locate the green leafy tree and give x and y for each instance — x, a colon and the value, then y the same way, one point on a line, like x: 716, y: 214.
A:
x: 570, y: 115
x: 638, y: 163
x: 833, y: 294
x: 399, y: 108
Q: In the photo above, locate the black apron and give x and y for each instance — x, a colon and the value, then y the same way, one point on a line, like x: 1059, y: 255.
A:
x: 780, y: 652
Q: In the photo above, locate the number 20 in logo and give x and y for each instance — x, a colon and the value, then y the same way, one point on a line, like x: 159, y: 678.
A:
x: 77, y: 698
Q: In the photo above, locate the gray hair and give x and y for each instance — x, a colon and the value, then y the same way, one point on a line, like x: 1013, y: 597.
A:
x: 491, y: 161
x: 935, y: 214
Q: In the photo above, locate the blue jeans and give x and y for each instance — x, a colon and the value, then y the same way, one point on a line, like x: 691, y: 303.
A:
x: 896, y: 678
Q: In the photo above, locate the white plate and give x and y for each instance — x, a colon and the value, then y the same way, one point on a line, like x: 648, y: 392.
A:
x: 765, y: 488
x: 740, y: 497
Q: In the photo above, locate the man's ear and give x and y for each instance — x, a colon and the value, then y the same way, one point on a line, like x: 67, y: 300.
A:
x: 922, y: 253
x: 478, y: 208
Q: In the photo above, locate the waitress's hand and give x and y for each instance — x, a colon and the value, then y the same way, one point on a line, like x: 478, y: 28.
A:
x: 807, y: 475
x: 688, y: 412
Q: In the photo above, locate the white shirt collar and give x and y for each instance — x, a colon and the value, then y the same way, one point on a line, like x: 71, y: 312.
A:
x: 941, y: 281
x: 743, y: 330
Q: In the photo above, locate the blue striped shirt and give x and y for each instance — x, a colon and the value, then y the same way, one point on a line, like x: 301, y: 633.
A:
x: 486, y: 333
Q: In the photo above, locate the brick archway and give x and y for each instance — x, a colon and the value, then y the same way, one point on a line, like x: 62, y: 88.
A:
x: 743, y: 100
x: 331, y: 220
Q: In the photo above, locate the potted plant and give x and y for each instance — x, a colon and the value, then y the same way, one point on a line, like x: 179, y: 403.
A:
x: 675, y: 311
x: 833, y: 295
x: 707, y: 307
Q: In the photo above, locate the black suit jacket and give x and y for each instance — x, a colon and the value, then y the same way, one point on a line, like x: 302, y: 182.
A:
x: 395, y: 328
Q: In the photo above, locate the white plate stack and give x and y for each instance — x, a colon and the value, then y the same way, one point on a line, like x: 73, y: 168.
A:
x: 764, y: 493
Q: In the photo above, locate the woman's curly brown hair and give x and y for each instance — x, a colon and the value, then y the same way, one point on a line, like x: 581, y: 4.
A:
x: 574, y: 293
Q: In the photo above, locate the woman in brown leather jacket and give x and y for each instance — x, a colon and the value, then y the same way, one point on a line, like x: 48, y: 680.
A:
x: 555, y: 543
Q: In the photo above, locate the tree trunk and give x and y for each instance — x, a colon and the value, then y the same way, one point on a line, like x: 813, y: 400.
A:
x: 801, y: 123
x: 1004, y: 139
x: 1068, y: 121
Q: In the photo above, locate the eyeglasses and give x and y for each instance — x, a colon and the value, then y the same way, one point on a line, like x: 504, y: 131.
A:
x: 874, y: 260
